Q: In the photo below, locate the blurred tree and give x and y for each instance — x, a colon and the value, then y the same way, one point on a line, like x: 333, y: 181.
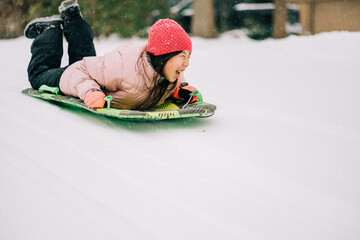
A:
x: 223, y: 11
x: 203, y: 21
x: 280, y: 18
x: 11, y: 19
x: 126, y: 17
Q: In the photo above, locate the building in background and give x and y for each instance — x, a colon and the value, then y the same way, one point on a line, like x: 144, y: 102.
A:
x: 254, y: 16
x: 329, y: 15
x: 302, y: 17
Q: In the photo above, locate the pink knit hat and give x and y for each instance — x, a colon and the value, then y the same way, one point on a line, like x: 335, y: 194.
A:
x: 167, y: 36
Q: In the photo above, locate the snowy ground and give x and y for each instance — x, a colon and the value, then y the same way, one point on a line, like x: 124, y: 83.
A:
x: 280, y: 159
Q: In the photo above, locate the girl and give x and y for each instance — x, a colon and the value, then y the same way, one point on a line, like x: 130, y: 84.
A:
x: 136, y: 76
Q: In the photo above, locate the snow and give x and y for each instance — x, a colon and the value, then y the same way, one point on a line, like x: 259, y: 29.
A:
x: 280, y: 159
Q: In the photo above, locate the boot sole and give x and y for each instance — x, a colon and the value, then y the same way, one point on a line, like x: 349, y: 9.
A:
x: 55, y: 18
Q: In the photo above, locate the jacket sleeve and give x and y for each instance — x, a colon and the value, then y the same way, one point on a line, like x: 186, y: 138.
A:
x: 92, y: 73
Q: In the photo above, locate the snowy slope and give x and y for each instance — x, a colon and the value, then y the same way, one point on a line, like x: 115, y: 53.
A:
x: 280, y: 159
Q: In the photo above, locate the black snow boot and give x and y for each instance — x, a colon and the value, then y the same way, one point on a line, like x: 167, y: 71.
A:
x: 39, y: 25
x: 69, y: 10
x: 77, y: 32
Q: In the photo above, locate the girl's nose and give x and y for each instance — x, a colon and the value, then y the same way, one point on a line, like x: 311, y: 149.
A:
x: 186, y: 62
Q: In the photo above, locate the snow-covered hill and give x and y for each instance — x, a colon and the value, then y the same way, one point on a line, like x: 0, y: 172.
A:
x: 280, y: 159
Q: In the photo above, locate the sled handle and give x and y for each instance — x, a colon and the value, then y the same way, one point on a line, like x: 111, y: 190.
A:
x: 198, y: 94
x: 108, y: 100
x: 45, y: 88
x: 195, y: 93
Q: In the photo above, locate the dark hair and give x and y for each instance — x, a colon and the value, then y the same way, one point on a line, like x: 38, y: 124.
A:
x: 161, y: 84
x: 158, y: 62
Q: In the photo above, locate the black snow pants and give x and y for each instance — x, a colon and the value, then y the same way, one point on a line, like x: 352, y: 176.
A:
x: 47, y: 51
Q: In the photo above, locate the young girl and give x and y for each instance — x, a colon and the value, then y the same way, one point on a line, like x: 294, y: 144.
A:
x: 136, y: 76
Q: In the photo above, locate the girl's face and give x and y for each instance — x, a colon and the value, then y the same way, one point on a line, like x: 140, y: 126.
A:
x: 176, y: 65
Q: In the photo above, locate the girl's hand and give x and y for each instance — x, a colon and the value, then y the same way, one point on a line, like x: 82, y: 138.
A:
x: 185, y: 92
x: 95, y: 99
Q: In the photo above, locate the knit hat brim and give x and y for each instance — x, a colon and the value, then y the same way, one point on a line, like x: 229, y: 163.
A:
x: 167, y: 36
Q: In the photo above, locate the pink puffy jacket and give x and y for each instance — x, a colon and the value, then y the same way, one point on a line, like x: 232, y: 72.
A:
x: 118, y: 73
